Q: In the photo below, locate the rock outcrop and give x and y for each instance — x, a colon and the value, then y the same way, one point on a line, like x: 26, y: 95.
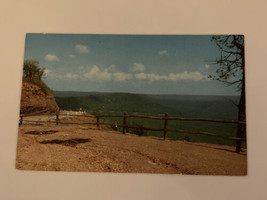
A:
x: 35, y: 101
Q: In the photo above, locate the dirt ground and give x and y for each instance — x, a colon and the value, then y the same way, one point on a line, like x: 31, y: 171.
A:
x: 63, y: 147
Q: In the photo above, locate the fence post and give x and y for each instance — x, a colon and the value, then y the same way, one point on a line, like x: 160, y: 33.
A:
x: 57, y: 118
x: 124, y: 123
x: 166, y: 126
x: 97, y: 120
x: 20, y: 121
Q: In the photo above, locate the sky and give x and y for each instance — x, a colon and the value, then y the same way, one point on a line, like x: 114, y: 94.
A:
x: 145, y: 64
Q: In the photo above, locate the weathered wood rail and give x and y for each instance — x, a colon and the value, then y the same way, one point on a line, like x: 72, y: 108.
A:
x: 125, y: 126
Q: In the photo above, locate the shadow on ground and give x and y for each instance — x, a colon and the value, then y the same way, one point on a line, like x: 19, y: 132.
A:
x: 71, y: 142
x: 41, y: 132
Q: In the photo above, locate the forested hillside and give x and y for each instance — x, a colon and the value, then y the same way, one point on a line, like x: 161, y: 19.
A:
x: 216, y: 107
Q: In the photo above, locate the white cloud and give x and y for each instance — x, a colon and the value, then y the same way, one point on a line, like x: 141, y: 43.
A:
x: 70, y: 76
x: 67, y: 76
x: 151, y: 77
x: 194, y: 76
x: 137, y: 67
x: 207, y: 66
x: 121, y: 76
x: 95, y: 74
x: 72, y: 56
x: 163, y: 52
x: 82, y: 49
x: 51, y: 57
x: 112, y: 68
x: 108, y: 74
x: 141, y: 76
x: 47, y: 71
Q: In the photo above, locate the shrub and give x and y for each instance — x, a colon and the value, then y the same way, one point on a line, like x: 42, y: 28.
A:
x: 34, y: 74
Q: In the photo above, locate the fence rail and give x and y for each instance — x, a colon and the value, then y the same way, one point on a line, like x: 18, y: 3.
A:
x: 125, y: 126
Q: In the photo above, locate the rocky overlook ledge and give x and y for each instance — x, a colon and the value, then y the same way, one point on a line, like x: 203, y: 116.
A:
x: 34, y: 100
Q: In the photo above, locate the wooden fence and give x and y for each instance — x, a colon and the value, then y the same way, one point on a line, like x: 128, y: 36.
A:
x: 165, y: 129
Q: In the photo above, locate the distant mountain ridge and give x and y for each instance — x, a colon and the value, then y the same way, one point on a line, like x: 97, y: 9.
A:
x: 82, y: 93
x: 202, y: 106
x: 73, y: 93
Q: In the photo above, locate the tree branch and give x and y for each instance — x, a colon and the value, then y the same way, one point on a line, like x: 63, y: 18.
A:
x: 230, y: 83
x: 239, y: 46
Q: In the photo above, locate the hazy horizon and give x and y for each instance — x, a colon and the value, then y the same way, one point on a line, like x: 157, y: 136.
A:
x: 167, y: 94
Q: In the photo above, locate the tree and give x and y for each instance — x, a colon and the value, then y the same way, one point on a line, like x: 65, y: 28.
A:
x: 231, y: 71
x: 32, y: 71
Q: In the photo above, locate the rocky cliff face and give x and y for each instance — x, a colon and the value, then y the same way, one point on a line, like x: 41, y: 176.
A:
x: 34, y: 100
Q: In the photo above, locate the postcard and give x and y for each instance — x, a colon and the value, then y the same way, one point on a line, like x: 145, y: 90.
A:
x: 162, y: 104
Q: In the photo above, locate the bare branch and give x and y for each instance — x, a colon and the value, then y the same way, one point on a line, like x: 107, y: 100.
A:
x: 230, y: 83
x: 239, y: 46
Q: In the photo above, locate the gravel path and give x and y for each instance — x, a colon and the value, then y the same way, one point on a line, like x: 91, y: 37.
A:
x: 84, y: 148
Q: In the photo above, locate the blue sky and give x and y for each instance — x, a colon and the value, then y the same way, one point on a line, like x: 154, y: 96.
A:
x: 148, y: 64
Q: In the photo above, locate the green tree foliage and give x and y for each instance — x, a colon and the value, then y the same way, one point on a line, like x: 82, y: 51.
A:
x: 32, y: 72
x: 231, y: 71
